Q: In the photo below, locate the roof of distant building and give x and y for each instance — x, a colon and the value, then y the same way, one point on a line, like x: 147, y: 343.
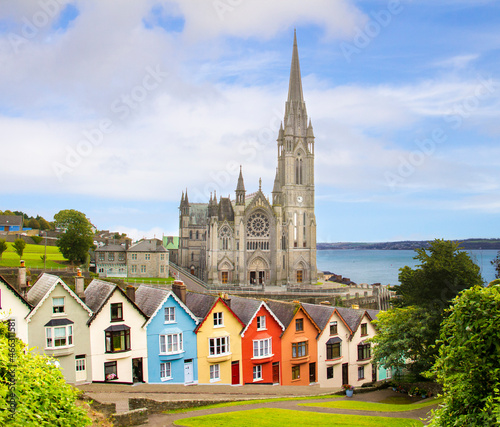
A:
x: 11, y: 220
x: 148, y: 245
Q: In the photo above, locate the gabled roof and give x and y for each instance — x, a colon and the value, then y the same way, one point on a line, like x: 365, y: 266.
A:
x: 40, y: 291
x: 219, y: 299
x: 111, y: 248
x: 200, y: 304
x: 15, y: 292
x: 247, y: 308
x: 98, y: 293
x: 11, y: 220
x: 352, y: 317
x: 148, y: 245
x: 322, y: 314
x: 150, y: 300
x: 285, y: 311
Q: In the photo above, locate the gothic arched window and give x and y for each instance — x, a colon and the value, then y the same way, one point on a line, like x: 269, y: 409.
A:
x: 225, y: 238
x: 299, y: 170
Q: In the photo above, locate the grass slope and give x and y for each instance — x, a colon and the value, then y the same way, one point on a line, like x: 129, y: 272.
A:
x: 31, y: 256
x: 373, y: 407
x: 280, y: 417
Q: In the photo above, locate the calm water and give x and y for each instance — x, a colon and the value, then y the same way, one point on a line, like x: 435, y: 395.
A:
x: 372, y: 266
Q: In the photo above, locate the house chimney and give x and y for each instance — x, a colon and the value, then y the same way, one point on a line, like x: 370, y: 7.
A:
x: 80, y: 284
x: 179, y: 289
x: 21, y: 277
x: 131, y: 292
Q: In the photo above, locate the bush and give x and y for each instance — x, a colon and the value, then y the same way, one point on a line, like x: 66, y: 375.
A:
x: 36, y: 239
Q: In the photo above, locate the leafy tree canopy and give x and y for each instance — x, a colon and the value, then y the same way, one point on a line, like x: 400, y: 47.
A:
x: 444, y: 272
x: 496, y: 263
x: 403, y: 339
x: 468, y: 364
x: 77, y: 238
x: 19, y: 245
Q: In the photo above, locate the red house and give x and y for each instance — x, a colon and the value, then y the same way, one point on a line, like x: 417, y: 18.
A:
x: 260, y: 341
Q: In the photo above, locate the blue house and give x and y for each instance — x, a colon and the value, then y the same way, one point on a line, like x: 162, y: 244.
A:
x: 171, y: 341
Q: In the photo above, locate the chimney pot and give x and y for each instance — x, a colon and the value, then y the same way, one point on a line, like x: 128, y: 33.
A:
x: 131, y: 292
x: 179, y: 289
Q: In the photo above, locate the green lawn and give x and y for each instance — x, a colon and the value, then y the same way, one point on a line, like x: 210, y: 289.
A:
x: 278, y: 417
x: 146, y: 280
x: 31, y: 256
x: 373, y: 407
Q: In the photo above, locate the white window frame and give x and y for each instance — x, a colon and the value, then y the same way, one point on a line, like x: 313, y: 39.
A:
x: 147, y: 257
x: 261, y: 323
x: 134, y: 269
x: 169, y: 314
x: 165, y: 371
x: 133, y: 257
x: 218, y: 319
x: 257, y: 373
x: 171, y: 344
x: 80, y: 364
x: 214, y: 373
x: 54, y: 305
x: 218, y: 346
x: 262, y: 348
x: 50, y: 334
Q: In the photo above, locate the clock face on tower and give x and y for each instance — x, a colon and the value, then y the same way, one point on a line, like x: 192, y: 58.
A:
x: 300, y: 199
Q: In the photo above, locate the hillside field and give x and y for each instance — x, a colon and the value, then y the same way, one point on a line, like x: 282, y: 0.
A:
x: 32, y: 257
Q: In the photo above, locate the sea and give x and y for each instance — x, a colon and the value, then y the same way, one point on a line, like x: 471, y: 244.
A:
x: 382, y: 266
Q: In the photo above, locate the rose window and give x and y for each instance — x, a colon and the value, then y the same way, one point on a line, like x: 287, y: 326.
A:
x: 258, y: 225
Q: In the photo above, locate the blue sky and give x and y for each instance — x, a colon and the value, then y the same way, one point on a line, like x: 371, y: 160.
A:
x: 114, y: 108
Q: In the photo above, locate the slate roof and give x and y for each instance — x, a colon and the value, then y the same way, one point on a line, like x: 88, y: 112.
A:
x: 244, y: 308
x: 40, y: 288
x: 11, y: 220
x: 97, y: 293
x: 225, y: 209
x: 198, y: 213
x: 200, y: 304
x: 111, y: 248
x: 351, y: 316
x: 373, y: 313
x: 148, y: 298
x: 148, y: 245
x: 284, y: 311
x: 15, y: 292
x: 321, y: 314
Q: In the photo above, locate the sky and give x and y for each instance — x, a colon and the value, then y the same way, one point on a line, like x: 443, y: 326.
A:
x: 113, y: 108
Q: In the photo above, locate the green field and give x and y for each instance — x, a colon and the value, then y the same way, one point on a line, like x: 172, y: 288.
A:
x: 32, y: 257
x: 279, y: 417
x: 373, y: 407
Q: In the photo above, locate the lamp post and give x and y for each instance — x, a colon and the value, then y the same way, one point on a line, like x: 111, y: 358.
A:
x: 45, y: 256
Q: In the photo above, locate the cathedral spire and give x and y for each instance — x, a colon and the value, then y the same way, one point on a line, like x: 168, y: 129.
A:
x: 295, y: 85
x: 241, y: 184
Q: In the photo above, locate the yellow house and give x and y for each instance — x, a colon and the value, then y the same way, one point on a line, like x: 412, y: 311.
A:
x: 219, y: 345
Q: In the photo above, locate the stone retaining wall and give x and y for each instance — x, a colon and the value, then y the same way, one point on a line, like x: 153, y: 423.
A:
x: 155, y: 406
x: 134, y: 417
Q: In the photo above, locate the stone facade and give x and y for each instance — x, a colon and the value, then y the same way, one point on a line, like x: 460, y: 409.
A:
x: 251, y: 239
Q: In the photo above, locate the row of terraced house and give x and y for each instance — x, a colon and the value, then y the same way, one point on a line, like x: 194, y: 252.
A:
x: 102, y: 333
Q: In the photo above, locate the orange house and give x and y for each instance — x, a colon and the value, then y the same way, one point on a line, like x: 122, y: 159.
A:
x: 299, y: 350
x: 260, y: 341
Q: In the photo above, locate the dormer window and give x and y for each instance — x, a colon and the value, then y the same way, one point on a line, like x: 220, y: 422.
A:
x: 58, y: 305
x: 261, y: 323
x: 218, y: 319
x: 364, y: 329
x: 169, y: 314
x: 333, y: 328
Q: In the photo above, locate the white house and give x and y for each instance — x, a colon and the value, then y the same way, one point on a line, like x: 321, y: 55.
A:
x: 14, y: 307
x: 117, y: 334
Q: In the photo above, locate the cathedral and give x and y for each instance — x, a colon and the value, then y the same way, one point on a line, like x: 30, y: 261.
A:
x: 252, y: 240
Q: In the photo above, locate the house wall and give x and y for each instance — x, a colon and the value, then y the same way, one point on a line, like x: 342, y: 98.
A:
x: 138, y: 341
x: 273, y: 330
x: 291, y: 335
x: 153, y: 265
x: 156, y: 327
x: 81, y: 338
x: 232, y: 328
x: 323, y: 362
x: 354, y: 363
x: 15, y: 309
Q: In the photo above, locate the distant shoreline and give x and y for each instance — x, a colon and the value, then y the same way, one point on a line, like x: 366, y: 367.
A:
x: 478, y: 244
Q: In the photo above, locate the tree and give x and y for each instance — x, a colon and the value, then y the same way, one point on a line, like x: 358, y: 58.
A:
x: 34, y: 224
x: 403, y: 339
x: 43, y: 397
x: 19, y: 245
x: 44, y: 224
x: 445, y: 271
x: 496, y: 263
x: 407, y: 335
x: 77, y: 238
x: 3, y: 247
x: 468, y: 365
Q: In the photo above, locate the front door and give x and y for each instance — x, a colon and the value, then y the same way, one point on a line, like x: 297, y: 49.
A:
x: 252, y: 277
x: 188, y: 371
x: 312, y: 372
x: 261, y: 277
x: 276, y: 372
x: 235, y: 373
x: 137, y: 370
x: 80, y: 368
x: 345, y: 373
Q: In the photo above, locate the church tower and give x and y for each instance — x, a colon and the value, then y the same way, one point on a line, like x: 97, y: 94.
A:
x: 295, y: 180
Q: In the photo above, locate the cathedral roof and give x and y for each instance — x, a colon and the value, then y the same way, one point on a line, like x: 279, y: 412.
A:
x: 198, y: 213
x: 225, y: 209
